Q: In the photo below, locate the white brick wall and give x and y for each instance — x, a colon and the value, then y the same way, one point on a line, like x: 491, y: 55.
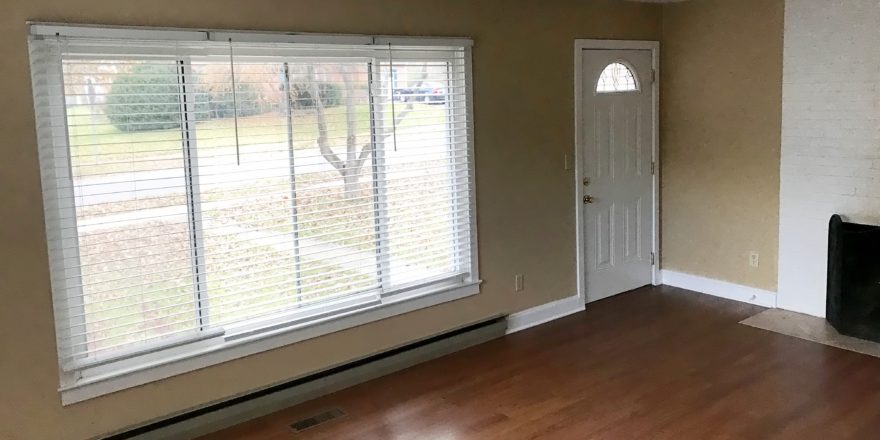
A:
x: 830, y: 137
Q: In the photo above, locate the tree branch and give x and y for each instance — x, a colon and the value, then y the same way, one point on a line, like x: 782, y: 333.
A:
x: 325, y: 149
x: 354, y: 160
x: 351, y: 124
x: 366, y: 150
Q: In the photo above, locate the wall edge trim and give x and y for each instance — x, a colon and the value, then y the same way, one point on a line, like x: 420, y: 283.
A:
x: 544, y: 313
x: 719, y: 288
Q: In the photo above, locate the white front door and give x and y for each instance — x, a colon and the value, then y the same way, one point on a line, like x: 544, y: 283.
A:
x: 617, y: 121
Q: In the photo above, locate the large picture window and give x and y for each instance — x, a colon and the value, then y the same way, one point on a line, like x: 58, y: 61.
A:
x: 202, y: 188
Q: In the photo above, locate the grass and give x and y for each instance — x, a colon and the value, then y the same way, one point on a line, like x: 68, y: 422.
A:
x: 98, y: 147
x: 352, y: 223
x: 133, y: 294
x: 89, y: 127
x: 141, y: 284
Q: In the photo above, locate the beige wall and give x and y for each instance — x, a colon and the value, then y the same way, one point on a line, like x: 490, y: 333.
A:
x: 721, y: 110
x: 524, y: 124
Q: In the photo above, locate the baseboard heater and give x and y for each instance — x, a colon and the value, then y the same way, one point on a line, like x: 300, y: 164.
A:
x: 236, y: 410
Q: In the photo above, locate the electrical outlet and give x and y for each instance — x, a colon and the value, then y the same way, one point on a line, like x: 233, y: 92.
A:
x: 518, y: 283
x: 754, y: 259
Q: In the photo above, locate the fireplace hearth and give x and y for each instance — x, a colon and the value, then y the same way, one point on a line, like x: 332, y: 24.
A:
x: 853, y: 303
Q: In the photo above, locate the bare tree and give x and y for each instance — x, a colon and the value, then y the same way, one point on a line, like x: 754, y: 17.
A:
x: 350, y: 165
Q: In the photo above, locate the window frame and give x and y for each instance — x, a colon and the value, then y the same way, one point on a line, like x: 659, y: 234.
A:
x: 206, y: 347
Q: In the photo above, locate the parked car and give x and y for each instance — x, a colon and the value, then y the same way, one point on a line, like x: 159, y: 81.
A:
x: 401, y: 94
x: 427, y: 92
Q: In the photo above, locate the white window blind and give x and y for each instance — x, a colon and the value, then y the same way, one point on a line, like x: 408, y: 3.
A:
x: 197, y: 192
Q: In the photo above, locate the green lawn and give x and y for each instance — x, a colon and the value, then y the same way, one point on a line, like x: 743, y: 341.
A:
x: 146, y: 297
x: 99, y: 147
x: 93, y: 128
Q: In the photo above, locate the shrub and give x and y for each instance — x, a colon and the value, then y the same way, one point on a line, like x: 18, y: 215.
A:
x: 146, y: 98
x: 220, y: 103
x: 301, y: 97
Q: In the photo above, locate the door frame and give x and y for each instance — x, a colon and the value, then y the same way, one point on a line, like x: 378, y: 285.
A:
x: 579, y: 46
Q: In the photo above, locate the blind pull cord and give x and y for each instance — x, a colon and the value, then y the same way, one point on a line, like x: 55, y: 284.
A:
x: 234, y: 104
x: 393, y: 87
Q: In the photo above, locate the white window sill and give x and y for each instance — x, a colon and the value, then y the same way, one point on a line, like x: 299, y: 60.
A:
x: 197, y: 357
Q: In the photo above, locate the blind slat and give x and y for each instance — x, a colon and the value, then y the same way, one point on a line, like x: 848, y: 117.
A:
x: 341, y: 221
x: 232, y: 296
x: 367, y: 200
x: 258, y: 246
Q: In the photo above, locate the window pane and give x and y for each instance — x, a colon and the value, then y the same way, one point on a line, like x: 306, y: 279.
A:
x: 425, y: 170
x: 127, y: 163
x: 336, y: 200
x: 245, y: 190
x: 616, y: 77
x: 283, y: 229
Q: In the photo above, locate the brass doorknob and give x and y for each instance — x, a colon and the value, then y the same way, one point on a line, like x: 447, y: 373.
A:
x: 588, y: 200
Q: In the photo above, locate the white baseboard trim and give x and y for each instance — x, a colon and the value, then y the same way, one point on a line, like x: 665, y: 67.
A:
x: 544, y: 313
x: 721, y: 289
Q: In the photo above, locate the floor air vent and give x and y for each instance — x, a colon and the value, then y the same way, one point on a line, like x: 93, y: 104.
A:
x: 311, y: 422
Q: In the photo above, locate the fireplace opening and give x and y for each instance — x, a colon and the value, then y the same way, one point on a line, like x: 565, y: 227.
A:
x: 853, y: 302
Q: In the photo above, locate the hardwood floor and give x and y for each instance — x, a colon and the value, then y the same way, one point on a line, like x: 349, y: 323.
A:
x: 657, y: 363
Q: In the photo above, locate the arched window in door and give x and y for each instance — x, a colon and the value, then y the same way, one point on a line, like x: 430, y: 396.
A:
x: 615, y: 78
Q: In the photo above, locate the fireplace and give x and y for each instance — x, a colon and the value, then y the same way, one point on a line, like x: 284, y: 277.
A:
x: 853, y: 303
